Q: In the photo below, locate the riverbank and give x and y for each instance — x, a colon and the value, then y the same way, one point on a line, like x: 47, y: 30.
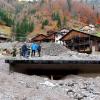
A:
x: 71, y: 87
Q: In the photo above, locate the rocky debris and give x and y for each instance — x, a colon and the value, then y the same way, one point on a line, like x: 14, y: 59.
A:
x: 23, y: 87
x: 50, y: 51
x: 54, y: 49
x: 47, y: 83
x: 4, y: 67
x: 81, y: 88
x: 91, y: 29
x: 18, y: 86
x: 9, y: 45
x: 72, y: 55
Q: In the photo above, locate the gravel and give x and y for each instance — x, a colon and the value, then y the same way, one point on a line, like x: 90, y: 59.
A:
x: 52, y: 51
x: 17, y: 86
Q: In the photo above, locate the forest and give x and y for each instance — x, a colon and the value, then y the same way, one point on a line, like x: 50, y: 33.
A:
x: 40, y: 16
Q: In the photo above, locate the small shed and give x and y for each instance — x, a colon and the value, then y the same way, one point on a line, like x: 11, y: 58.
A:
x: 38, y: 38
x: 81, y: 42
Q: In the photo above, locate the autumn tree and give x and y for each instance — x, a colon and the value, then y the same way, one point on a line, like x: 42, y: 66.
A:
x: 84, y: 13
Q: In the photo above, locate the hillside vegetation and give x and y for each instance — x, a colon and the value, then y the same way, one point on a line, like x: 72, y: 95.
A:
x: 29, y: 18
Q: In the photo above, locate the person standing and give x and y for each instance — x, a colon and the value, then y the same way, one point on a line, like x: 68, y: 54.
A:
x: 39, y: 49
x: 14, y: 52
x: 34, y: 49
x: 24, y: 50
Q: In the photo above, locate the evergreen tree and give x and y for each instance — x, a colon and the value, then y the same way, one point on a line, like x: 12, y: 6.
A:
x: 56, y: 17
x: 59, y: 22
x: 31, y: 27
x: 64, y: 21
x: 23, y: 28
x: 33, y: 11
x: 44, y: 23
x: 6, y: 17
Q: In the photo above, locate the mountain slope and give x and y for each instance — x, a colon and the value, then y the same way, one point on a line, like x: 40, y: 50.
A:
x: 44, y: 15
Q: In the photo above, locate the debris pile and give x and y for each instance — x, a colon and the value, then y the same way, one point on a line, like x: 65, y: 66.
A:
x: 53, y: 49
x: 18, y: 86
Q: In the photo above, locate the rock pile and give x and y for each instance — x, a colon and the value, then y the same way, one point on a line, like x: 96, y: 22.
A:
x: 53, y: 49
x: 80, y: 88
x: 23, y: 87
x: 72, y: 55
x: 18, y: 86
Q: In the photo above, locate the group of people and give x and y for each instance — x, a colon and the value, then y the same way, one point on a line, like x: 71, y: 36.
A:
x: 27, y: 51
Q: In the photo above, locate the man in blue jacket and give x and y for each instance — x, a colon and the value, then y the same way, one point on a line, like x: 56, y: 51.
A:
x: 34, y: 48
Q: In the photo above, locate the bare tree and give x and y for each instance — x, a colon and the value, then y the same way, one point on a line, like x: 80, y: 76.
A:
x: 97, y: 15
x: 69, y: 3
x: 81, y: 1
x: 50, y: 5
x: 86, y: 1
x: 93, y: 7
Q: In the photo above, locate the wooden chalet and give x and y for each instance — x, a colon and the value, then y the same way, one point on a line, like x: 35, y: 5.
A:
x: 38, y: 38
x: 81, y: 42
x: 51, y: 35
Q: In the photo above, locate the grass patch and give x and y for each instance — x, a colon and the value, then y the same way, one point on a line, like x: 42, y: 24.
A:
x: 98, y: 34
x: 6, y: 30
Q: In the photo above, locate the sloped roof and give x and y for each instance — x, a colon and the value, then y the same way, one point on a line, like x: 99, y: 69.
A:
x: 94, y: 35
x: 51, y: 36
x: 38, y: 37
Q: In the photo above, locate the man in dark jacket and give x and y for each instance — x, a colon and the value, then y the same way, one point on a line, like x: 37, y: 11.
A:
x: 39, y: 50
x: 14, y: 52
x: 24, y: 50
